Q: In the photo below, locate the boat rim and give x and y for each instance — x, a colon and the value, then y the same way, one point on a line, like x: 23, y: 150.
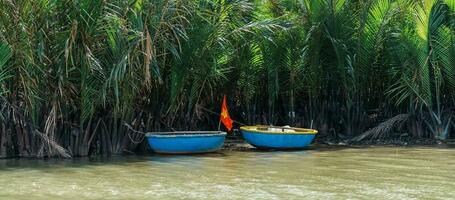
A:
x: 185, y: 134
x: 297, y: 130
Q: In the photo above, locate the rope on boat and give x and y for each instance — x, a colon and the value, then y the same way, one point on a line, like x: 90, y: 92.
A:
x: 135, y: 131
x: 136, y: 142
x: 132, y: 129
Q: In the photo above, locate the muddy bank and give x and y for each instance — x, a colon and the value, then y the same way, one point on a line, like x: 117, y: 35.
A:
x: 402, y: 141
x: 237, y: 143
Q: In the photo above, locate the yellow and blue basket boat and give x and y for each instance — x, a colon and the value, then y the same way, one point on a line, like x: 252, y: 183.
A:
x: 273, y: 137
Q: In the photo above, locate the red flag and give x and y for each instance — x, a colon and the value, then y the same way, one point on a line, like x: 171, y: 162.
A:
x: 224, y: 117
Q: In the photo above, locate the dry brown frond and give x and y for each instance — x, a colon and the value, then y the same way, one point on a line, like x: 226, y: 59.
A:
x: 382, y: 129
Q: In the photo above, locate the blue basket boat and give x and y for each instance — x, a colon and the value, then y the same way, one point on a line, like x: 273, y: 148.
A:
x: 272, y: 137
x: 186, y: 142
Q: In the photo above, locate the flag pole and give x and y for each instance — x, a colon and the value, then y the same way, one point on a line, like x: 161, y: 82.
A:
x: 219, y: 125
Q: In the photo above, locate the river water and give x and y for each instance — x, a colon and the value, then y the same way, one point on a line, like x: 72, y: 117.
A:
x: 320, y: 173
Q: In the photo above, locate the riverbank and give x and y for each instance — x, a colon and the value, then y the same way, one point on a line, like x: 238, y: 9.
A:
x: 236, y: 143
x: 403, y: 141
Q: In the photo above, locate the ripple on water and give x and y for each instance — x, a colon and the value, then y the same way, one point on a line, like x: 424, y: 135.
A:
x: 367, y: 173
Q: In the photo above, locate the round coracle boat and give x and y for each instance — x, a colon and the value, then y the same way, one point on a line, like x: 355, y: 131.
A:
x: 278, y: 137
x: 186, y: 142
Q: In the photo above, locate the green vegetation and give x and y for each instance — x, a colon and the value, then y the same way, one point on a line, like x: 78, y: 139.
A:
x: 72, y: 72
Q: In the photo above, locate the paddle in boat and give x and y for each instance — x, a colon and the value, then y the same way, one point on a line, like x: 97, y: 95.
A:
x: 278, y: 137
x: 186, y: 142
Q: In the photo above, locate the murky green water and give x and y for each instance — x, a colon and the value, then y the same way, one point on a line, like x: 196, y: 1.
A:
x: 368, y: 173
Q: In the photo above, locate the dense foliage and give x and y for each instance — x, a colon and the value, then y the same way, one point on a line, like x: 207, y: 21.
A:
x: 73, y: 72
